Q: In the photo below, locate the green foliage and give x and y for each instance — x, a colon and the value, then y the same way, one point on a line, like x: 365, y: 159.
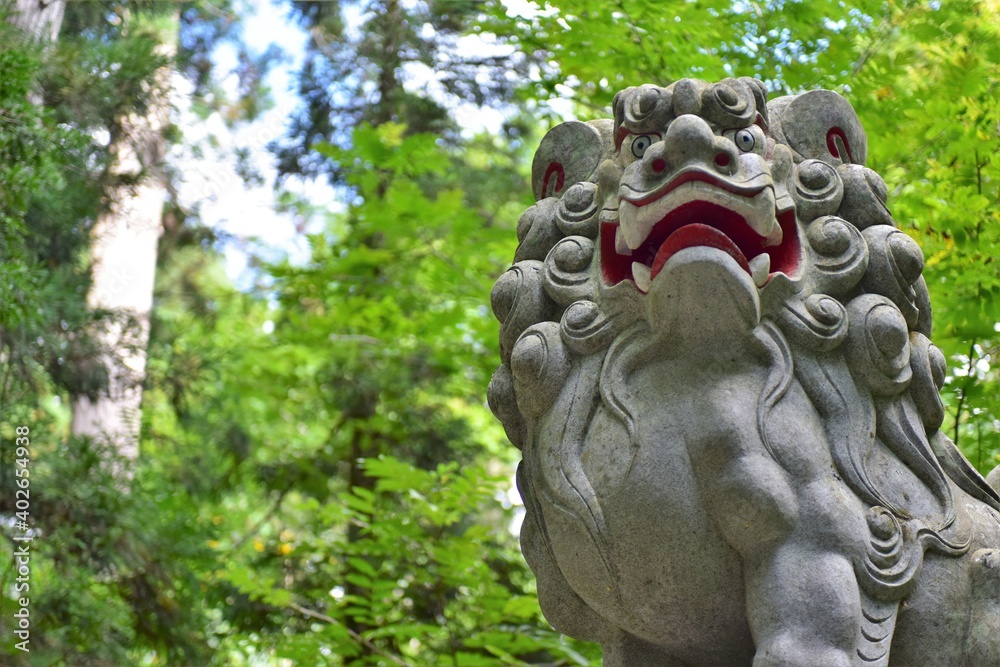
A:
x: 928, y: 95
x: 40, y: 293
x: 358, y: 54
x: 592, y: 49
x: 340, y: 438
x: 110, y: 570
x: 443, y: 587
x: 31, y: 161
x: 407, y: 252
x: 53, y: 182
x: 114, y: 566
x: 94, y: 83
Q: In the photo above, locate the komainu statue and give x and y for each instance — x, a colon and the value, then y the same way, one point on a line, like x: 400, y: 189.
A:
x: 716, y: 361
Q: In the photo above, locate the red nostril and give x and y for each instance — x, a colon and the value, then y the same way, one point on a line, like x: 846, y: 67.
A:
x: 722, y: 159
x: 659, y: 164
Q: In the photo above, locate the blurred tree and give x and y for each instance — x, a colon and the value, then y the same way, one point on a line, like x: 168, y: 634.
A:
x: 124, y: 239
x: 51, y: 177
x: 38, y: 19
x: 56, y: 148
x: 114, y: 575
x: 349, y: 393
x: 375, y: 61
x: 380, y: 72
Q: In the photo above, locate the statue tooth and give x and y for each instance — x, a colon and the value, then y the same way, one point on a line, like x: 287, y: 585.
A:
x: 638, y: 221
x: 640, y: 274
x: 760, y: 269
x: 775, y: 237
x: 621, y: 245
x: 631, y: 225
x: 761, y: 215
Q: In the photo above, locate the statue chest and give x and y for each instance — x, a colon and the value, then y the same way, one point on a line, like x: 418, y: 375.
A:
x: 648, y: 536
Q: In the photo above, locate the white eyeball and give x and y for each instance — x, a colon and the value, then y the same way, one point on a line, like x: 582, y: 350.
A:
x: 641, y: 142
x: 744, y: 140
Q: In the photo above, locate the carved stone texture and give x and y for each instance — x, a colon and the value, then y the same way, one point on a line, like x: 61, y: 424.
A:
x: 717, y: 363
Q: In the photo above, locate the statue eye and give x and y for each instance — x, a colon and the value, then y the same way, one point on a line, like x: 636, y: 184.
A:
x: 641, y: 142
x: 744, y: 140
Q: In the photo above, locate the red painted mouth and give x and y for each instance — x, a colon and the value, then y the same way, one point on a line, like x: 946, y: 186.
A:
x: 701, y: 223
x: 695, y: 234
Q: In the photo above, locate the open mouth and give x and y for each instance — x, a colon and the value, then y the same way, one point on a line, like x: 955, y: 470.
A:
x: 699, y: 222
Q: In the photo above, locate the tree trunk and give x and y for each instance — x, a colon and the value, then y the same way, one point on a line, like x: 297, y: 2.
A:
x: 123, y: 247
x: 39, y: 19
x: 123, y: 254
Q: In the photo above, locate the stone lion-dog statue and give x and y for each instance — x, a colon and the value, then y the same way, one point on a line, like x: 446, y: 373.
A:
x: 716, y: 361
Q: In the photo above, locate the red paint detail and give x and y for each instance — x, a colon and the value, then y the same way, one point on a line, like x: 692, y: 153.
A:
x: 622, y: 133
x: 696, y: 234
x: 553, y: 168
x: 659, y: 165
x: 615, y: 267
x: 707, y: 224
x: 831, y: 144
x: 786, y: 257
x: 722, y: 159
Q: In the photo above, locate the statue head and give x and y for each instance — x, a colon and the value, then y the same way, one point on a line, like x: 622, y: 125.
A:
x: 748, y: 210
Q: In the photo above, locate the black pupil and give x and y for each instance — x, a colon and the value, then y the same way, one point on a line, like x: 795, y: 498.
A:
x: 744, y: 139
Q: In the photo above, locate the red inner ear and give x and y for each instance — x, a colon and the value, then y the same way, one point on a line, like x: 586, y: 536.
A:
x: 560, y: 173
x: 620, y: 137
x: 834, y: 146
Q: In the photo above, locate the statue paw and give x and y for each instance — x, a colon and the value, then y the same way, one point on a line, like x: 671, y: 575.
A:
x: 984, y: 617
x: 787, y: 650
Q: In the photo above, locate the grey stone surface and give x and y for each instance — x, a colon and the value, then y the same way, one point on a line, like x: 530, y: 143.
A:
x: 717, y: 362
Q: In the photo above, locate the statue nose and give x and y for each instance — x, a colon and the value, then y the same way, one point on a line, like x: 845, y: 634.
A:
x: 690, y: 142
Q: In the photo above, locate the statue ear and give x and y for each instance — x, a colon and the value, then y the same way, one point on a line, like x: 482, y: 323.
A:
x: 759, y: 90
x: 820, y: 125
x: 570, y: 153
